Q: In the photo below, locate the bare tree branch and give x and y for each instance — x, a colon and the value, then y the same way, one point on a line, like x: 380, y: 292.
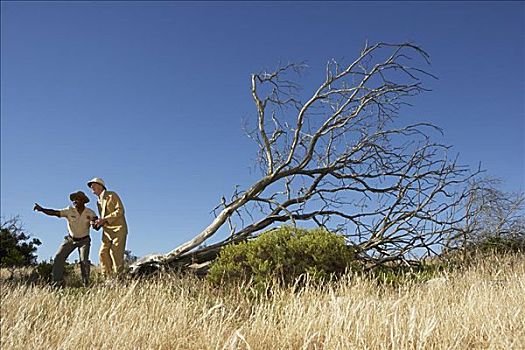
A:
x: 340, y: 160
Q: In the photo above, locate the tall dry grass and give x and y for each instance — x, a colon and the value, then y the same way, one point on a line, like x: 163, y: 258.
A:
x: 481, y: 307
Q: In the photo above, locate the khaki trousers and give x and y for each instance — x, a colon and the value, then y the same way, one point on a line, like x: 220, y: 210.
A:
x: 112, y: 252
x: 62, y: 254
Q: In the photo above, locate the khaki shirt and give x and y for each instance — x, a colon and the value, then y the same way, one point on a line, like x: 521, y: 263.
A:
x: 111, y: 209
x: 78, y: 224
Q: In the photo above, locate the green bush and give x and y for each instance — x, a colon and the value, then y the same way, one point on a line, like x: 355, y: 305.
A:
x: 399, y: 275
x: 44, y: 273
x: 17, y: 249
x: 499, y: 244
x: 284, y: 255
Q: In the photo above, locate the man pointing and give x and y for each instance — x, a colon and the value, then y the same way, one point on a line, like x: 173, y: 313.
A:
x: 78, y: 220
x: 114, y: 226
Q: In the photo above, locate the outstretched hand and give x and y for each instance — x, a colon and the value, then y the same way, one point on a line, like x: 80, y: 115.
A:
x: 37, y: 207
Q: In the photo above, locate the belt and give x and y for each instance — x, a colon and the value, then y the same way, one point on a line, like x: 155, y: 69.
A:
x: 78, y: 239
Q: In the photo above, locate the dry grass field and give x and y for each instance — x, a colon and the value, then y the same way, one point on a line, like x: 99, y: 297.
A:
x: 482, y: 307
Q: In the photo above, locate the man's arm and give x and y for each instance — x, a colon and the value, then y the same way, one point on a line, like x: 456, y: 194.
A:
x: 50, y: 212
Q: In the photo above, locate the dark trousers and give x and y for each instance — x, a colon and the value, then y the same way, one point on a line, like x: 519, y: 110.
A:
x: 63, y: 252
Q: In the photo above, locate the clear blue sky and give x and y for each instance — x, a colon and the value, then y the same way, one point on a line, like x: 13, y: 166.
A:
x: 150, y: 96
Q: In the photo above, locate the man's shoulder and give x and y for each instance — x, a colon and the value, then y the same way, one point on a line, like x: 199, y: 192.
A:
x: 67, y: 210
x: 112, y: 194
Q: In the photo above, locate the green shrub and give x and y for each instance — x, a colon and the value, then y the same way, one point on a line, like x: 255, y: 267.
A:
x: 399, y: 275
x: 17, y: 249
x: 499, y: 244
x: 283, y: 255
x: 44, y: 273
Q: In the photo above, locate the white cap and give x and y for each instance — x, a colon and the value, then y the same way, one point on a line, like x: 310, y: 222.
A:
x: 96, y: 180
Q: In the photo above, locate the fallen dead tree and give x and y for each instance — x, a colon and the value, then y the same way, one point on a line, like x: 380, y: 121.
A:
x: 337, y: 157
x: 196, y: 262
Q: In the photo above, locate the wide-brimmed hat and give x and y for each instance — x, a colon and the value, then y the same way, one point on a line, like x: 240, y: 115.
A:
x: 79, y: 196
x: 96, y: 180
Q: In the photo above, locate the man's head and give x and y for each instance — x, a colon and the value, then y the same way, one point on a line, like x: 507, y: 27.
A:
x: 79, y: 199
x: 97, y: 185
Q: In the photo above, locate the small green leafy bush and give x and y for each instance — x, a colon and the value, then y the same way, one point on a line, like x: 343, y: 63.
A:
x: 399, y: 275
x: 284, y: 255
x: 499, y: 244
x: 17, y: 248
x: 44, y: 272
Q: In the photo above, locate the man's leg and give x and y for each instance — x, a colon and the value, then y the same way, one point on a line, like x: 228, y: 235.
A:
x: 117, y: 251
x: 104, y: 255
x: 85, y: 264
x: 60, y: 259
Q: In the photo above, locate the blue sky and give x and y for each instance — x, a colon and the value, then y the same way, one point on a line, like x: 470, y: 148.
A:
x: 150, y: 96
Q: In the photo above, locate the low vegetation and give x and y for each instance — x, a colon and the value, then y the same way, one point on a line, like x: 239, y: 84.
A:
x: 283, y: 256
x: 288, y: 289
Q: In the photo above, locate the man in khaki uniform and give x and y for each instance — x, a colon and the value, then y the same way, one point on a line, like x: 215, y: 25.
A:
x: 78, y: 220
x: 115, y: 228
